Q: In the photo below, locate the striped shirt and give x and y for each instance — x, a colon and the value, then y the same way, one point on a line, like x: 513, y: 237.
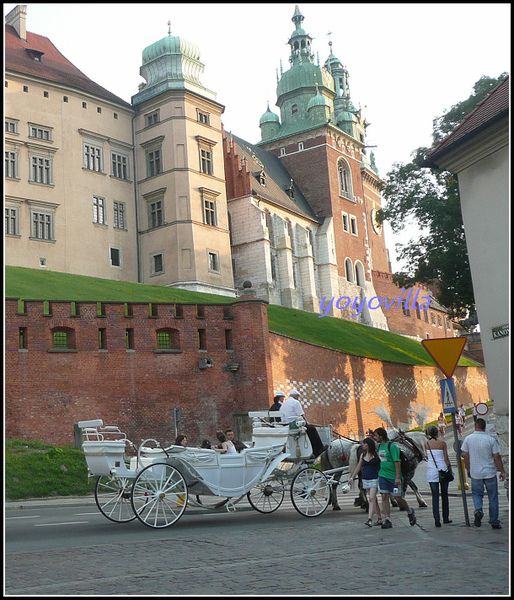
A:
x: 481, y: 448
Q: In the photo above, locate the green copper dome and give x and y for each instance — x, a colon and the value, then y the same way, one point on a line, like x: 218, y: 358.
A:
x: 168, y: 46
x: 269, y: 117
x: 170, y: 64
x: 318, y: 100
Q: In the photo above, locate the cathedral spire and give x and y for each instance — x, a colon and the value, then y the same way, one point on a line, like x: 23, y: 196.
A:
x: 299, y: 41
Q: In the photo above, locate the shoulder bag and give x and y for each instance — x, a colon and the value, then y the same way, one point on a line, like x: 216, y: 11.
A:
x: 444, y: 476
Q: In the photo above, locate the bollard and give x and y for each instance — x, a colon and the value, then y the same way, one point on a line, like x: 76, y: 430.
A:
x: 466, y: 485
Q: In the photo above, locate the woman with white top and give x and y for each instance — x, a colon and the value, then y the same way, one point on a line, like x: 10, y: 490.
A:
x: 225, y: 446
x: 437, y: 456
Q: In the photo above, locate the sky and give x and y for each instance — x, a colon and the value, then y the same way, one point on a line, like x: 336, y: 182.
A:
x: 407, y: 63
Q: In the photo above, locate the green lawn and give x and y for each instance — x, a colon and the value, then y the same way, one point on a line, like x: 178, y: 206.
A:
x: 339, y: 334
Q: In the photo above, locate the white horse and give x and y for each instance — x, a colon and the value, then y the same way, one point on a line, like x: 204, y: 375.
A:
x: 345, y: 452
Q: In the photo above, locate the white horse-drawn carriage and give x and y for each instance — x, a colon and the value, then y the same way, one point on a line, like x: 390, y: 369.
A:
x: 157, y: 484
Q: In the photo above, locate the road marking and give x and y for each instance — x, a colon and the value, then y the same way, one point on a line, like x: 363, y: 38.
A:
x: 25, y: 517
x: 85, y: 514
x: 57, y: 524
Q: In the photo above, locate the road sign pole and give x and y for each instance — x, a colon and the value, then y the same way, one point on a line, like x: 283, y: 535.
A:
x: 459, y: 466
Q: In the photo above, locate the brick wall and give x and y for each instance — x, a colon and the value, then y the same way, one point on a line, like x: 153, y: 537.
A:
x: 341, y: 389
x: 48, y: 390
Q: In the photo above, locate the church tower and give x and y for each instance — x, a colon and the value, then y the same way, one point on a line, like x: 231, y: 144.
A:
x: 320, y: 137
x: 181, y: 198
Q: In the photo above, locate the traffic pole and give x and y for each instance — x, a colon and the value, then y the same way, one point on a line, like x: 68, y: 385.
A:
x: 460, y: 462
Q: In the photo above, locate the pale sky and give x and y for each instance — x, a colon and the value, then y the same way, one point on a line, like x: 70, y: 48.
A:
x: 407, y: 63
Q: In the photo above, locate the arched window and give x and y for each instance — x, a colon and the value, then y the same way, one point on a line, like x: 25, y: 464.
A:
x: 359, y: 274
x: 345, y: 179
x: 348, y: 267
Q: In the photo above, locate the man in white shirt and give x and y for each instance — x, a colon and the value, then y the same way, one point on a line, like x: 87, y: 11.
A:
x: 481, y: 454
x: 292, y: 409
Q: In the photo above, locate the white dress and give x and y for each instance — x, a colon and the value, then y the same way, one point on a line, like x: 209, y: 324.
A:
x: 440, y: 464
x: 231, y: 449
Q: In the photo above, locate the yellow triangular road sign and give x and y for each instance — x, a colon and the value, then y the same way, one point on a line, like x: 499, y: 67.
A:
x: 445, y: 352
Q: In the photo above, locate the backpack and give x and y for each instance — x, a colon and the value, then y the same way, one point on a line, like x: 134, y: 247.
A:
x: 404, y: 461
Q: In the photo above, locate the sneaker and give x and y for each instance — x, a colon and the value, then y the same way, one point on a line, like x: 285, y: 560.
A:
x: 387, y: 524
x: 478, y: 519
x: 412, y: 518
x: 496, y: 526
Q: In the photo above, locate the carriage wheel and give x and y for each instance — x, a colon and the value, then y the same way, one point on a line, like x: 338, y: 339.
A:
x: 310, y: 492
x: 159, y: 495
x: 267, y: 496
x: 112, y: 496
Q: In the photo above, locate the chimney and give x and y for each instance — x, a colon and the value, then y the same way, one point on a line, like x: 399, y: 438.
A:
x: 17, y: 18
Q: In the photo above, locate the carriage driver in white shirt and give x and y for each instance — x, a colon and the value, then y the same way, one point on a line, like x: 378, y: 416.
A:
x: 292, y: 409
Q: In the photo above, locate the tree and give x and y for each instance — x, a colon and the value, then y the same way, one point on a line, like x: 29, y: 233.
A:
x: 430, y: 197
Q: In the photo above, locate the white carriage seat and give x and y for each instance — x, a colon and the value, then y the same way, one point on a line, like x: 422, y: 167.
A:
x: 104, y: 457
x: 269, y: 436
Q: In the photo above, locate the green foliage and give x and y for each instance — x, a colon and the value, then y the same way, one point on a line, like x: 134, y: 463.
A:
x: 37, y: 470
x: 430, y: 198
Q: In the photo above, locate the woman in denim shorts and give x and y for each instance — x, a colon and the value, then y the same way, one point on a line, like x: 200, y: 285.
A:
x: 369, y: 464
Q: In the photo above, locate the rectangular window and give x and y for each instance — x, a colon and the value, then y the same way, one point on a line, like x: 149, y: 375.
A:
x: 11, y: 126
x: 119, y: 164
x: 93, y: 158
x: 99, y: 210
x: 119, y: 221
x: 102, y: 339
x: 115, y: 256
x: 11, y: 220
x: 153, y: 163
x: 228, y: 339
x: 353, y: 225
x: 157, y: 264
x: 60, y: 339
x: 41, y: 170
x: 202, y: 339
x: 152, y: 119
x: 346, y: 226
x: 23, y: 338
x: 155, y: 214
x: 163, y: 340
x: 203, y: 117
x: 129, y: 339
x: 11, y: 164
x: 214, y: 262
x: 42, y: 225
x: 206, y: 162
x: 40, y: 133
x: 209, y: 213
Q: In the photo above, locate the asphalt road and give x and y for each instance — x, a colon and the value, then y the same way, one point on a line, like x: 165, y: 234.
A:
x: 66, y: 547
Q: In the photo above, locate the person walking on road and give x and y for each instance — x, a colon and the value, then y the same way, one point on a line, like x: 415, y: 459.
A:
x: 441, y: 423
x: 437, y: 457
x: 390, y: 480
x: 481, y: 454
x: 369, y: 464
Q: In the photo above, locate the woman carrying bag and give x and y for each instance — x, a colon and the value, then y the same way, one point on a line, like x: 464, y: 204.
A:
x: 438, y: 474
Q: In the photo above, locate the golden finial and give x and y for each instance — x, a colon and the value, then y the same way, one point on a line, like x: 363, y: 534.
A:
x: 169, y: 27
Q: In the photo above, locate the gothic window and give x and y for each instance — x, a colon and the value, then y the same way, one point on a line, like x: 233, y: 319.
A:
x: 359, y: 274
x: 348, y: 267
x: 345, y: 179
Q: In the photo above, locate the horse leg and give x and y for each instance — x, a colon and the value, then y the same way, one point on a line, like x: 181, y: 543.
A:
x: 419, y: 498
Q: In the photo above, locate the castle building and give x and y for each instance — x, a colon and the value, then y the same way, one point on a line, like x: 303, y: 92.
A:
x: 155, y: 191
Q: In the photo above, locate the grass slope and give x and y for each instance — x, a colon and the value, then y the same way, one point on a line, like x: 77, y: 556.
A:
x: 339, y: 334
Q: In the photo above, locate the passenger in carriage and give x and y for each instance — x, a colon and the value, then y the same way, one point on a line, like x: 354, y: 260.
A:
x: 180, y: 440
x: 238, y: 444
x: 292, y: 409
x: 277, y: 405
x: 225, y: 446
